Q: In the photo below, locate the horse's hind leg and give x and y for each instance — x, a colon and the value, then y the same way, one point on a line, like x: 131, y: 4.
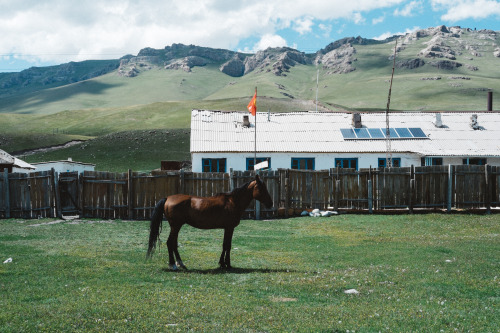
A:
x: 172, y: 246
x: 178, y: 262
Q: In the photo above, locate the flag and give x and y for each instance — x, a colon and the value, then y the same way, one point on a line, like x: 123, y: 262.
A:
x: 252, y: 106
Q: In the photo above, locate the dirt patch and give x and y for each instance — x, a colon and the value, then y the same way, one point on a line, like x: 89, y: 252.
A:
x: 71, y: 220
x: 27, y: 152
x: 283, y: 299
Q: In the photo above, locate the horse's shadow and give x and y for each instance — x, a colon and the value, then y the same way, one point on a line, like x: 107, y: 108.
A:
x: 233, y: 270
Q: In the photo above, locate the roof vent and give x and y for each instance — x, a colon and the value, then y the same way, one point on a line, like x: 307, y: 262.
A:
x: 356, y: 120
x: 473, y: 122
x: 246, y: 122
x: 438, y: 123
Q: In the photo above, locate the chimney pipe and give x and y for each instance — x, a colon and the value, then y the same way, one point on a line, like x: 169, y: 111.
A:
x: 439, y: 122
x: 490, y: 100
x: 246, y: 122
x: 356, y: 120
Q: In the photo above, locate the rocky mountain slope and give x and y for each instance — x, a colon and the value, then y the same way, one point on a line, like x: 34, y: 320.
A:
x: 431, y: 53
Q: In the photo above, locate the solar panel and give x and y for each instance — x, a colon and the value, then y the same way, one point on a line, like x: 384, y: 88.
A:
x: 417, y: 133
x: 376, y: 133
x: 348, y: 133
x: 361, y: 133
x: 380, y: 133
x: 393, y: 133
x: 404, y: 133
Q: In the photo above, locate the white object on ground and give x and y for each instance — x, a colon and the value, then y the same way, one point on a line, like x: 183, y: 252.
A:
x: 351, y: 291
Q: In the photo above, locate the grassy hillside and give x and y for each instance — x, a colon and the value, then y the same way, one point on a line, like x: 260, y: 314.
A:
x: 117, y: 152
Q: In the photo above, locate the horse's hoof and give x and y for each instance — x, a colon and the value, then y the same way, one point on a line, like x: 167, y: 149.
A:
x: 181, y: 265
x: 173, y: 267
x: 225, y: 266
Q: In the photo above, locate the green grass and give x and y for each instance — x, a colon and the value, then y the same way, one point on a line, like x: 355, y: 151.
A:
x: 136, y: 150
x: 418, y: 273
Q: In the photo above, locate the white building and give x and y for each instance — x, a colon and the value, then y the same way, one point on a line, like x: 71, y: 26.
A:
x: 318, y: 140
x: 64, y: 166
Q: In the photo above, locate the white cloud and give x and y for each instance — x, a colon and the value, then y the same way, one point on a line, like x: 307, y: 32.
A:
x: 390, y: 34
x: 326, y: 29
x: 269, y: 40
x: 465, y: 9
x: 60, y: 31
x: 303, y: 25
x: 378, y: 20
x: 409, y: 9
x: 358, y: 18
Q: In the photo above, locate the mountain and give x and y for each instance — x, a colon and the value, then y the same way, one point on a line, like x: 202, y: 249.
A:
x: 436, y: 68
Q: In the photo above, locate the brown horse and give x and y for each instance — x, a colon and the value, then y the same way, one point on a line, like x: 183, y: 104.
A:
x: 222, y: 211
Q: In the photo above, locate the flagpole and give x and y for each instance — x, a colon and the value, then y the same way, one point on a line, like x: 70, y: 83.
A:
x: 255, y: 138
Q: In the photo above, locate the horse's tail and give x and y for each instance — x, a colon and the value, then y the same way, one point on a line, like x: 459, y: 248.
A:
x: 155, y: 226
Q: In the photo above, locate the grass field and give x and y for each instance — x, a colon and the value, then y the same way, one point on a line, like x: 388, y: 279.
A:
x: 418, y: 273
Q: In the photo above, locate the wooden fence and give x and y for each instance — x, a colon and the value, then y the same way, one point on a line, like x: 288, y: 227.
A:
x: 133, y: 195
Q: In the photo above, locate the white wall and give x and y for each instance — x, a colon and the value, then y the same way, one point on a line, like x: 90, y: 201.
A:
x: 237, y: 161
x: 64, y: 166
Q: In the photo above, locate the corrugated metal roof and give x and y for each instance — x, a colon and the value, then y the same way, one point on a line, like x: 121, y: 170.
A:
x: 318, y: 132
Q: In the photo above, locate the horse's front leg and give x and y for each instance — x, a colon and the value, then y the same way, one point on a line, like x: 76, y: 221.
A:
x: 225, y: 257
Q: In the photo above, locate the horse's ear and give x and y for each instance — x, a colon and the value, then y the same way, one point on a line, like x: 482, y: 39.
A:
x: 257, y: 178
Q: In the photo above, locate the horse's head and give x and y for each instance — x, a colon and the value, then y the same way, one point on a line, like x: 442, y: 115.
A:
x: 260, y: 192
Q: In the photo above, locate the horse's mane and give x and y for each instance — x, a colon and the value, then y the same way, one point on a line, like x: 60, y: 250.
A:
x: 237, y: 190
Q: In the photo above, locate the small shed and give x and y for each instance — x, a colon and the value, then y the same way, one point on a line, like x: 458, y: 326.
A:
x: 64, y: 166
x: 13, y: 164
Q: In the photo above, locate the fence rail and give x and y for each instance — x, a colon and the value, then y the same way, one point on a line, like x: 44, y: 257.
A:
x: 133, y: 195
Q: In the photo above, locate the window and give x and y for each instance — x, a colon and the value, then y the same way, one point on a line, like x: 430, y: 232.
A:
x: 426, y: 161
x: 213, y: 164
x: 302, y: 163
x: 396, y: 162
x: 351, y: 163
x: 250, y: 161
x: 475, y: 161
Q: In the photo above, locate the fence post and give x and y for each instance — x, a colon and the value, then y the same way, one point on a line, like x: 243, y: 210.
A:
x: 130, y: 196
x: 487, y: 172
x: 337, y: 195
x: 231, y: 182
x: 55, y: 182
x: 450, y: 187
x: 412, y: 189
x: 7, y: 193
x: 287, y: 192
x: 370, y: 197
x: 181, y: 182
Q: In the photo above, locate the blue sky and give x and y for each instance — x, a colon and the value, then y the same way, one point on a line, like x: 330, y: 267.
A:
x: 48, y: 32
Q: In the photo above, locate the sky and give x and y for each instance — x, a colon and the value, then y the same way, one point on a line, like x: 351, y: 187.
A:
x: 51, y: 32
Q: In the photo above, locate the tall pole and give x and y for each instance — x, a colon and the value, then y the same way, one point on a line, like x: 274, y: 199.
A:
x: 255, y: 138
x: 387, y: 127
x: 317, y: 83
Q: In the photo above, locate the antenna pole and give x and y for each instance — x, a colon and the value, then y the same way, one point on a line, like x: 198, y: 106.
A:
x: 317, y: 83
x: 388, y: 156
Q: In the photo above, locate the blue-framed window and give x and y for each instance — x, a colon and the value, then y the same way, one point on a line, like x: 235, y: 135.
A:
x: 250, y: 162
x: 396, y: 162
x: 475, y: 161
x: 427, y: 161
x: 301, y: 163
x: 213, y: 164
x: 350, y: 163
